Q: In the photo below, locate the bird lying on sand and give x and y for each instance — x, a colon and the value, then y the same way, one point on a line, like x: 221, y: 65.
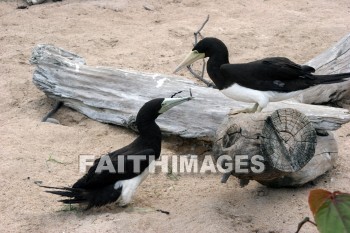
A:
x: 267, y: 80
x: 100, y: 186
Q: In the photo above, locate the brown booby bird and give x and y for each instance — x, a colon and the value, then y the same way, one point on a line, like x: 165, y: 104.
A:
x: 100, y: 186
x: 267, y: 80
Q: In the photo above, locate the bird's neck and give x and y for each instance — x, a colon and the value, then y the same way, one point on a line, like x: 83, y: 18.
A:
x: 213, y: 68
x: 150, y: 134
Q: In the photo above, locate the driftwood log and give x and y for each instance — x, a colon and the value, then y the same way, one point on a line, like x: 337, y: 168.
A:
x: 115, y: 96
x: 332, y: 61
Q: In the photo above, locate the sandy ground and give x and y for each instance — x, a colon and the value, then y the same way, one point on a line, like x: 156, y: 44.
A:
x: 125, y: 35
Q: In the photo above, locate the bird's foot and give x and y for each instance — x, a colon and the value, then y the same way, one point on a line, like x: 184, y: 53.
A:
x: 235, y: 112
x: 123, y: 204
x: 254, y: 109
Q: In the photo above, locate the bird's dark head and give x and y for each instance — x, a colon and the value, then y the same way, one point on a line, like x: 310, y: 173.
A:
x: 153, y: 108
x: 207, y: 47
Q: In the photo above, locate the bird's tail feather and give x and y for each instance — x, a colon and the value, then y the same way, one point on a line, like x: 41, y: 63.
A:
x: 332, y: 78
x: 71, y: 201
x: 93, y: 198
x: 77, y: 195
x: 63, y: 193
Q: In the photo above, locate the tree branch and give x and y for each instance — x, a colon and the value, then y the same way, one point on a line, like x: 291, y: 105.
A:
x: 198, y: 32
x: 201, y: 76
x: 307, y: 219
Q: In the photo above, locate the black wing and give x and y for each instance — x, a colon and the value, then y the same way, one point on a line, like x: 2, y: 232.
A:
x: 269, y: 74
x: 94, y: 179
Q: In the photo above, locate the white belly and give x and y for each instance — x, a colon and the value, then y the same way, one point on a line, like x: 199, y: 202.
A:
x: 248, y: 95
x: 129, y: 187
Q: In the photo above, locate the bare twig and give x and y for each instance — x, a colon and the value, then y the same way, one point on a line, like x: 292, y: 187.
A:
x: 176, y: 93
x: 203, y: 68
x: 198, y: 32
x: 209, y: 84
x: 50, y: 159
x: 163, y: 211
x: 173, y: 95
x: 201, y: 77
x: 55, y: 108
x: 307, y: 219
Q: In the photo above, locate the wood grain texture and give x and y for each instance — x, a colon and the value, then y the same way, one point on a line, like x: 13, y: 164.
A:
x: 323, y: 160
x: 288, y: 140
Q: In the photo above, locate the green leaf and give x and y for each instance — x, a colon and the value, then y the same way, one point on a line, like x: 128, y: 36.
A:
x: 316, y: 198
x: 333, y: 215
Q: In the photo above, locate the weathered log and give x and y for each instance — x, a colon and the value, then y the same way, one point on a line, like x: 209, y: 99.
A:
x: 332, y: 61
x: 115, y: 95
x: 292, y: 153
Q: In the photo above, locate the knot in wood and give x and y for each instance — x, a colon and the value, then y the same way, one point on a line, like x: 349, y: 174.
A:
x: 231, y: 136
x: 288, y: 140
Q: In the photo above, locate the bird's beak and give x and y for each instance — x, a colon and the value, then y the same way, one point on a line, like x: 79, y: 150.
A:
x: 168, y: 103
x: 191, y: 57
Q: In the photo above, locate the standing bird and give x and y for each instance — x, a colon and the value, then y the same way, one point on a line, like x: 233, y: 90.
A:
x: 100, y: 186
x: 268, y: 80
